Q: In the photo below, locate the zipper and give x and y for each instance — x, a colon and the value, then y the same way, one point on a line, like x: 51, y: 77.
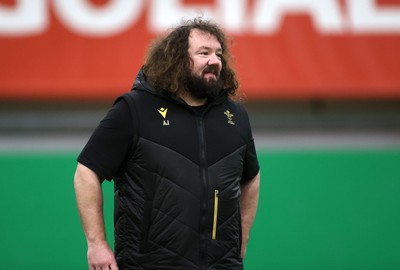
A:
x: 203, y: 194
x: 214, y: 228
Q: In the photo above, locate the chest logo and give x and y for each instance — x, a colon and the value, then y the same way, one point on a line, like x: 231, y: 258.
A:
x: 229, y: 116
x: 163, y: 111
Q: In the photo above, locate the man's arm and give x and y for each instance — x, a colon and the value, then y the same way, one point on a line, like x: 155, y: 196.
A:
x: 89, y: 198
x: 248, y: 208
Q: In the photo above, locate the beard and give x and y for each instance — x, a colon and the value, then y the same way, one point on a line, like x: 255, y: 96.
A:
x: 201, y: 88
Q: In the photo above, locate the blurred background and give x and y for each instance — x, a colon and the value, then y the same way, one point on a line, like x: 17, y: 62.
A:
x: 321, y: 82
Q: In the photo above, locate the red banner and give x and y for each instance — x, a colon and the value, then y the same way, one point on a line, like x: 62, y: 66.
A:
x: 81, y: 49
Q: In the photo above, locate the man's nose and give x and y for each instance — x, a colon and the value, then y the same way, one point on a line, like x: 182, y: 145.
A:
x: 214, y: 60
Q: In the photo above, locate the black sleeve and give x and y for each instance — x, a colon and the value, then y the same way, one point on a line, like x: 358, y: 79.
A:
x: 110, y: 143
x: 250, y: 164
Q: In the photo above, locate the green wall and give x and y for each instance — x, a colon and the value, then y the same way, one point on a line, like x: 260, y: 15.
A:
x: 319, y: 209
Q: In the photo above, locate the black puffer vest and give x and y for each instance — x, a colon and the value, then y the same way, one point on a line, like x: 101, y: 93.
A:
x: 177, y: 197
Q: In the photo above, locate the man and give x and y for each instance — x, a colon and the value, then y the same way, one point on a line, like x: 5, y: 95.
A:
x: 182, y: 158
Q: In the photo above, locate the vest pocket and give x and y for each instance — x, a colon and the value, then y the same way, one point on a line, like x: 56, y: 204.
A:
x: 215, y: 218
x: 146, y: 225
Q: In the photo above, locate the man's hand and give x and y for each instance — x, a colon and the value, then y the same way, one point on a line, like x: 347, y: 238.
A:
x: 101, y: 257
x: 248, y: 207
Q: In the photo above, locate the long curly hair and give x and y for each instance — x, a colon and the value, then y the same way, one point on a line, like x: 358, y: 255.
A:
x: 167, y: 61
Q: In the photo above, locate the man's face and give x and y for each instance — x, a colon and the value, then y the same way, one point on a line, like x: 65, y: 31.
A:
x: 205, y: 53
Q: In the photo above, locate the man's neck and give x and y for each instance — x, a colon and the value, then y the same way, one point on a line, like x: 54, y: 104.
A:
x: 192, y: 101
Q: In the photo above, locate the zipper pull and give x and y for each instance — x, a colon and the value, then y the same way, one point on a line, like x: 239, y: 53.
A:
x: 214, y: 229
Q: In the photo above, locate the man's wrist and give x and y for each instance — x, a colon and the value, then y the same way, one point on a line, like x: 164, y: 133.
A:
x: 96, y: 241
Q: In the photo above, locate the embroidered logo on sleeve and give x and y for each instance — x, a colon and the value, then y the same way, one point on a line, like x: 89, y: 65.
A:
x: 163, y: 112
x: 229, y: 116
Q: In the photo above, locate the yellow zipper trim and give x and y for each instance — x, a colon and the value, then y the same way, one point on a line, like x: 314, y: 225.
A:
x: 214, y: 230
